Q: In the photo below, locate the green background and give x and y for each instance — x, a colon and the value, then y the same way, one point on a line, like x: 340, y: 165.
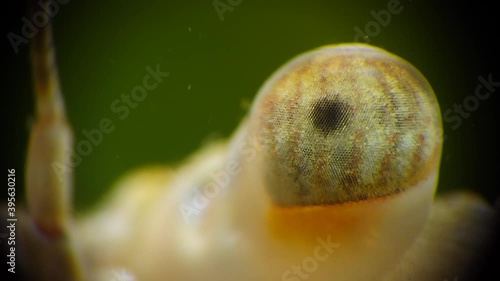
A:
x: 216, y: 68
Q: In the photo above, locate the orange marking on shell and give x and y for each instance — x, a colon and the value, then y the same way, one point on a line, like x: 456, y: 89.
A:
x: 304, y: 224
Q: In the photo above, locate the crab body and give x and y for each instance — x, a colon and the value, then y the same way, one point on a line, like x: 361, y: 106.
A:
x: 331, y: 176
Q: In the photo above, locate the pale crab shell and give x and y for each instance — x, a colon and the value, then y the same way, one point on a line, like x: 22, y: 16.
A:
x: 156, y: 226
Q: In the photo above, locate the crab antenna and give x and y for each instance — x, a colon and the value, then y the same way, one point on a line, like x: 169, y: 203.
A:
x: 49, y: 101
x: 49, y: 177
x: 51, y: 249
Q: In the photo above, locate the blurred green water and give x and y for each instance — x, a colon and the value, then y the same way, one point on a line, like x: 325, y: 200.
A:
x: 216, y: 66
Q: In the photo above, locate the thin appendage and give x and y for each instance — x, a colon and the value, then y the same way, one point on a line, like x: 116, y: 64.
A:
x: 46, y: 234
x: 48, y: 192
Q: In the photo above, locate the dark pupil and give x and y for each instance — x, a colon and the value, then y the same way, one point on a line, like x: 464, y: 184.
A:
x: 329, y: 115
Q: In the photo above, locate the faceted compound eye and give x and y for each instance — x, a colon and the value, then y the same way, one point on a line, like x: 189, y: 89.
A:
x: 346, y: 123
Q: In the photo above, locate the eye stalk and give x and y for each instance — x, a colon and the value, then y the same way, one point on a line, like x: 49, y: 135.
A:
x: 346, y: 123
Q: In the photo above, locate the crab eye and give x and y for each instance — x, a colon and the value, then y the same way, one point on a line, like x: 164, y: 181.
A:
x: 346, y: 123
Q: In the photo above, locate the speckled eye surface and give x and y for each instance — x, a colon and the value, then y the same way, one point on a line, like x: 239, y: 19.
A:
x: 346, y: 123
